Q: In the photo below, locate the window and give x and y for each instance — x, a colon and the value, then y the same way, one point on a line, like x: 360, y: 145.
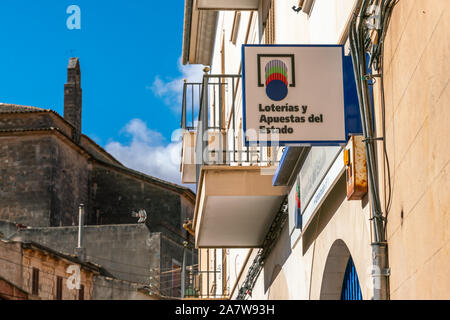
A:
x: 59, y: 288
x: 81, y: 292
x: 35, y: 282
x: 351, y: 289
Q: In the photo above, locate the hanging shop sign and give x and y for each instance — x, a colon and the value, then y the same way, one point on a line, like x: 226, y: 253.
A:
x: 295, y: 95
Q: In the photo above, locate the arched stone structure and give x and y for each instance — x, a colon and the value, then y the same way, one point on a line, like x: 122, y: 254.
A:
x: 333, y: 274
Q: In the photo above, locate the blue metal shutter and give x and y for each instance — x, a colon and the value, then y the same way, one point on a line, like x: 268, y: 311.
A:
x: 351, y: 289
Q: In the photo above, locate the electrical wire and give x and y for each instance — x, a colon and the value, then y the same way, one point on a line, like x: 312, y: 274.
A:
x: 362, y: 43
x: 375, y: 50
x: 386, y: 157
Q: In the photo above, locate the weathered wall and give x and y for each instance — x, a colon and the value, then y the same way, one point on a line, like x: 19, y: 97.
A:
x: 10, y: 292
x: 33, y: 120
x: 95, y: 150
x: 42, y: 180
x: 127, y: 252
x: 16, y: 264
x: 10, y: 262
x: 26, y: 179
x: 69, y: 184
x: 49, y: 269
x: 113, y: 289
x: 417, y: 134
x: 7, y: 229
x: 115, y: 195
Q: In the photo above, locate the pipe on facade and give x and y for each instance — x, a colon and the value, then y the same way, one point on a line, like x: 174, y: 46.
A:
x: 358, y: 31
x: 80, y: 250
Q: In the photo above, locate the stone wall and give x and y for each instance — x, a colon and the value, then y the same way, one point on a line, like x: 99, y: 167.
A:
x: 70, y: 183
x: 113, y: 289
x: 127, y: 252
x: 26, y: 179
x: 95, y: 150
x: 115, y: 195
x: 7, y: 229
x: 50, y: 268
x: 33, y: 121
x: 10, y: 262
x: 42, y: 180
x: 417, y: 132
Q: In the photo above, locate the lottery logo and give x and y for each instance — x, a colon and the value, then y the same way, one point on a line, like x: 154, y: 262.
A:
x: 276, y: 75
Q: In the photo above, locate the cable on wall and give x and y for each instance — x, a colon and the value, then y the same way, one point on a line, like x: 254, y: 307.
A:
x: 367, y: 32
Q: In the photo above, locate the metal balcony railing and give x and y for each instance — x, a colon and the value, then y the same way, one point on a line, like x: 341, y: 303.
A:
x: 198, y: 284
x: 203, y: 284
x: 209, y: 109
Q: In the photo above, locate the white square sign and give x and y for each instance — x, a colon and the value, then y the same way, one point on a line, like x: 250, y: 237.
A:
x: 293, y: 94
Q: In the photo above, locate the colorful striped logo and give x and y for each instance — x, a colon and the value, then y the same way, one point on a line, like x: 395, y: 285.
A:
x: 276, y: 80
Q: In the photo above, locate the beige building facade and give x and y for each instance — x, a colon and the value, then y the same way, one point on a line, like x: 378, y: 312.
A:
x: 417, y: 133
x: 235, y: 214
x: 40, y: 273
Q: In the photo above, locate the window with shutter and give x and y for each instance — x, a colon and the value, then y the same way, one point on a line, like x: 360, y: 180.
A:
x: 59, y: 288
x: 35, y: 282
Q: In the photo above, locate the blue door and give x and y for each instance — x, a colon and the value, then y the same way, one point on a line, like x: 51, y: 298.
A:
x: 351, y: 290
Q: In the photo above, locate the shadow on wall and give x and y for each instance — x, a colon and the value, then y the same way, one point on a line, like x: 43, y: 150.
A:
x: 279, y: 287
x: 325, y: 213
x: 280, y: 254
x: 333, y: 274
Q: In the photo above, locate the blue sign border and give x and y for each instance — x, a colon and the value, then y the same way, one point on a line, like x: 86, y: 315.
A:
x: 349, y: 95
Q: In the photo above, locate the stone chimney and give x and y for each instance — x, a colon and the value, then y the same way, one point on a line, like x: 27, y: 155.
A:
x: 72, y: 97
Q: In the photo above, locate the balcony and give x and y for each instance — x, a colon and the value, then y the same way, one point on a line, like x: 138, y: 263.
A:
x: 205, y: 285
x: 236, y: 201
x: 209, y: 278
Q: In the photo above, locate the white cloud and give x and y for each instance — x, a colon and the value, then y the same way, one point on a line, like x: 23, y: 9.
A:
x: 147, y: 152
x: 171, y: 90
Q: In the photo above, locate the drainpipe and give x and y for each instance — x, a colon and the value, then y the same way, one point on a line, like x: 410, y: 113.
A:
x: 183, y: 271
x: 380, y: 266
x: 80, y: 251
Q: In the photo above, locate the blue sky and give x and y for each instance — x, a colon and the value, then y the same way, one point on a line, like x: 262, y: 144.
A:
x: 131, y: 74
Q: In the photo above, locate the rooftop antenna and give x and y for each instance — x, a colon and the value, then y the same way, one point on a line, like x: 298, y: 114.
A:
x: 141, y: 214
